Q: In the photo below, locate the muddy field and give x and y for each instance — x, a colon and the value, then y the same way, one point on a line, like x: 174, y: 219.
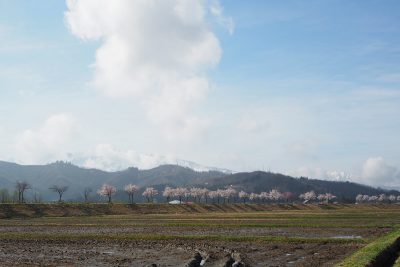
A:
x: 265, y: 238
x: 167, y: 253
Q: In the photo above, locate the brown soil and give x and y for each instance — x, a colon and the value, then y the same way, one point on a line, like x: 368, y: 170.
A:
x: 40, y: 210
x: 166, y: 253
x: 200, y: 231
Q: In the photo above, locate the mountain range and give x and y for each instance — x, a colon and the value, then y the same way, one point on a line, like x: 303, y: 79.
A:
x: 41, y: 177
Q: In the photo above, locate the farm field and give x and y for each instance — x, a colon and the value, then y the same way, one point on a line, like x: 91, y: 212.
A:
x: 301, y: 235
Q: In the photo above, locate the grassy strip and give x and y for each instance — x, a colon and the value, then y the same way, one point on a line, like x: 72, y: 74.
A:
x: 368, y: 253
x: 266, y: 225
x: 397, y: 263
x: 153, y: 237
x: 287, y: 217
x: 391, y: 218
x: 204, y: 225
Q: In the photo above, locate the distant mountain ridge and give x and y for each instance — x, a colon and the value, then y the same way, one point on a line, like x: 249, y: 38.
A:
x: 41, y: 177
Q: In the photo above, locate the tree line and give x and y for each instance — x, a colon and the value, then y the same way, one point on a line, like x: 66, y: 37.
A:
x: 382, y: 198
x: 193, y: 194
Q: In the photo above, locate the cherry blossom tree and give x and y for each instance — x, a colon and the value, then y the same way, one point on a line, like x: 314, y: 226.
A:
x: 359, y: 198
x: 392, y: 198
x: 230, y: 193
x: 150, y: 193
x: 213, y: 195
x: 275, y: 195
x: 204, y: 194
x: 264, y: 196
x: 243, y: 195
x: 329, y: 197
x: 223, y: 194
x: 220, y: 194
x: 107, y: 191
x: 186, y: 194
x: 308, y: 196
x: 382, y: 198
x: 168, y: 193
x: 373, y: 198
x: 196, y: 193
x: 180, y: 193
x: 326, y: 197
x: 365, y: 198
x: 131, y: 189
x: 253, y: 197
x: 287, y: 196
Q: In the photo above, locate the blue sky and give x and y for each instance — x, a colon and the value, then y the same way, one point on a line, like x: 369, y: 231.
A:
x: 300, y: 87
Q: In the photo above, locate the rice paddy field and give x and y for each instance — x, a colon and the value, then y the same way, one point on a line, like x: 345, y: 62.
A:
x: 201, y: 235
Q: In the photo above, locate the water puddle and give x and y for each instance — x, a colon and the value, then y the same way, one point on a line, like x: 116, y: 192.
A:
x: 347, y: 236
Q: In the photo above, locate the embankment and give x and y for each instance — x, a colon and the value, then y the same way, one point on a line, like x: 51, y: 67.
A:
x: 95, y: 209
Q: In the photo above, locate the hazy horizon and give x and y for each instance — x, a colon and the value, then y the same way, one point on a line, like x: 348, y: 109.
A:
x: 305, y: 88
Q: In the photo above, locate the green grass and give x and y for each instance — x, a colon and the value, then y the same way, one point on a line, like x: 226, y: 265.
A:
x: 159, y: 237
x: 397, y: 263
x: 368, y: 253
x: 351, y: 217
x: 200, y: 225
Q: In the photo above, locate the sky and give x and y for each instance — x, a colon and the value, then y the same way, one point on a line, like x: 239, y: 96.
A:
x: 306, y: 88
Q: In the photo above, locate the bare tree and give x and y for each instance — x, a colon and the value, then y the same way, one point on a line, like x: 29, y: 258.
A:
x: 21, y: 187
x: 86, y: 193
x: 37, y: 198
x: 4, y: 196
x: 60, y: 190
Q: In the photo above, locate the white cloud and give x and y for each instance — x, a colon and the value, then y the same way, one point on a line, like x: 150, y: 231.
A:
x: 338, y: 176
x: 320, y: 173
x: 376, y: 171
x: 227, y: 22
x: 49, y: 142
x: 107, y: 157
x: 156, y: 52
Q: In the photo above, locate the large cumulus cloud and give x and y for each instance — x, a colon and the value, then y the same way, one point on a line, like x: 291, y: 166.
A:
x: 155, y: 51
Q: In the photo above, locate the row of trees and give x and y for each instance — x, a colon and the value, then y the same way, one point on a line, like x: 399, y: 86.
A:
x: 195, y: 194
x: 382, y: 198
x: 21, y: 187
x: 312, y: 196
x: 230, y: 194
